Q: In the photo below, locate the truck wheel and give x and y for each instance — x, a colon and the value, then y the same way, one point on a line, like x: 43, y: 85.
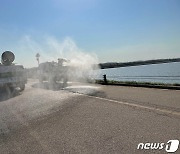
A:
x: 52, y: 80
x: 65, y: 80
x: 22, y: 87
x: 41, y: 80
x: 8, y: 91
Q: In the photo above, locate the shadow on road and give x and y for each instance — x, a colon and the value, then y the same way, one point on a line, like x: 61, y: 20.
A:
x: 7, y: 93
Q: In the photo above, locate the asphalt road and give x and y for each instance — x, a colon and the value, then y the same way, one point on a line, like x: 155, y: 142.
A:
x: 84, y: 118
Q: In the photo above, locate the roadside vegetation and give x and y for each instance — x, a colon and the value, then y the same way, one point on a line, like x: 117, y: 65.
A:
x: 136, y: 83
x: 139, y: 84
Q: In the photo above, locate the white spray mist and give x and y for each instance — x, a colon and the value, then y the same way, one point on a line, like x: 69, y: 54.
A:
x: 82, y: 64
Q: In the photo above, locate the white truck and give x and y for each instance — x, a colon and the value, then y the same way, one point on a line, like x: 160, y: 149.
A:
x: 11, y: 75
x: 53, y: 72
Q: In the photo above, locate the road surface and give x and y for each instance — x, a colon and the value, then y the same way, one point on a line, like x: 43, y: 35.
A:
x: 83, y: 118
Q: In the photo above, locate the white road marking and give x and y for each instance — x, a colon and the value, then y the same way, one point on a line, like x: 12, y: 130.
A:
x: 166, y: 111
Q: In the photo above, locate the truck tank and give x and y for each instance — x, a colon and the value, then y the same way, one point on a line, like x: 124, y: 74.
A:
x: 11, y: 75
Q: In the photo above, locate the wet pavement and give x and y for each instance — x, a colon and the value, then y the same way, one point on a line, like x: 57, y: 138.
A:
x: 87, y: 118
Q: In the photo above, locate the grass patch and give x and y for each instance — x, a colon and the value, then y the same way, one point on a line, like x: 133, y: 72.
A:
x: 111, y: 82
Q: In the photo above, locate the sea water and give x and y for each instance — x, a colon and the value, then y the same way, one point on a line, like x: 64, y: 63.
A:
x: 161, y: 73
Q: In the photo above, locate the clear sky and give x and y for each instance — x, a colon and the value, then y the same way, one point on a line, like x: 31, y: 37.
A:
x: 115, y: 30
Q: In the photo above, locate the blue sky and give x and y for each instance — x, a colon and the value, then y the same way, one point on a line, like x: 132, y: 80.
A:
x: 115, y: 30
